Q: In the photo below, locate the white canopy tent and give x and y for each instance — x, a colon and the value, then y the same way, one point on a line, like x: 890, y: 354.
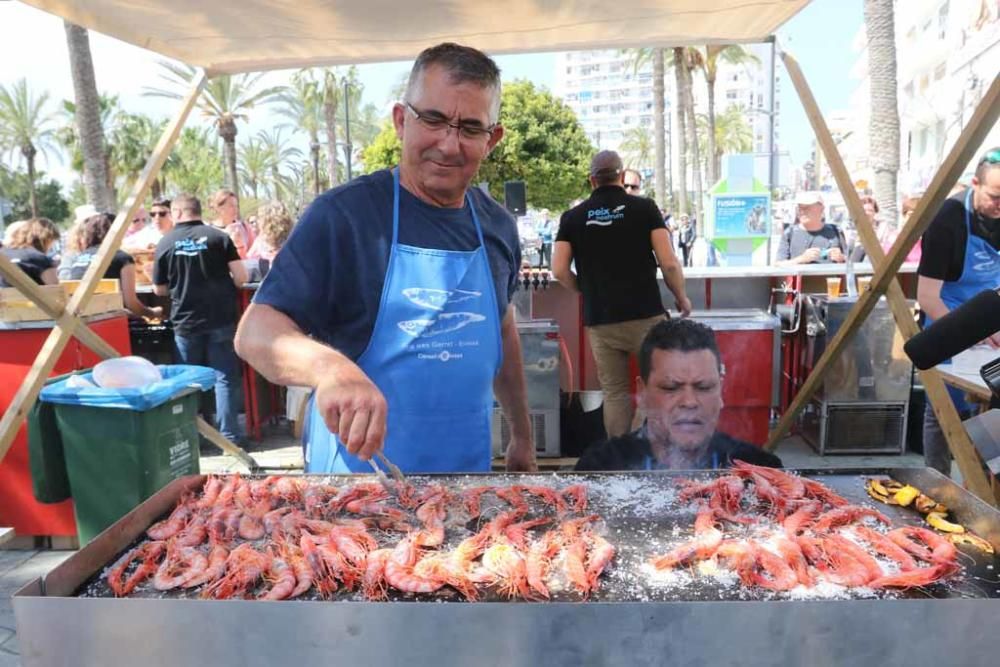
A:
x: 254, y: 35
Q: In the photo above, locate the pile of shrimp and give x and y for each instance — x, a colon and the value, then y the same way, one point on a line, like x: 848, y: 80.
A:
x: 282, y: 537
x: 786, y: 531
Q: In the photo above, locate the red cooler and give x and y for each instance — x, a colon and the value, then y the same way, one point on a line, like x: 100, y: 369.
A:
x: 749, y: 341
x: 19, y: 345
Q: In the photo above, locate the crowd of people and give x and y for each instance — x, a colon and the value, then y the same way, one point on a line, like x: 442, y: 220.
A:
x: 198, y: 263
x: 392, y: 298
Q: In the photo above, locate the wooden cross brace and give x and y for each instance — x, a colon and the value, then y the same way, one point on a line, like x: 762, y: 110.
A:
x: 886, y: 267
x: 68, y: 322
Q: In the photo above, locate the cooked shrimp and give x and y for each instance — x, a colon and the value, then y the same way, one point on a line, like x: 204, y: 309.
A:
x: 148, y: 553
x: 373, y: 583
x: 326, y: 582
x: 798, y: 520
x: 844, y: 515
x: 707, y: 539
x: 883, y: 545
x: 823, y: 493
x: 514, y: 497
x: 282, y: 579
x: 601, y: 554
x: 871, y: 566
x: 194, y: 533
x: 922, y: 576
x: 538, y: 562
x: 399, y: 570
x: 472, y: 497
x: 210, y: 492
x: 172, y: 525
x: 771, y: 571
x: 250, y: 528
x: 790, y: 486
x: 180, y: 565
x: 792, y: 553
x: 924, y: 544
x: 510, y: 574
x: 517, y: 533
x: 215, y: 569
x: 244, y: 567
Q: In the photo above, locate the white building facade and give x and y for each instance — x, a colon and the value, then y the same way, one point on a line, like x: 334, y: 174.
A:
x: 611, y: 98
x: 948, y: 54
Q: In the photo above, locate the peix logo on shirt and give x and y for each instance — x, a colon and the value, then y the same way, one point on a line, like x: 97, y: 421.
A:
x: 605, y: 216
x: 191, y: 247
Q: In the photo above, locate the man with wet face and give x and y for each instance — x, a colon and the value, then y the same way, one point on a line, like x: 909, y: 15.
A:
x: 680, y: 391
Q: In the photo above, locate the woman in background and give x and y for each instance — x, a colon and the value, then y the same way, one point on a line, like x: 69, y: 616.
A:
x: 122, y: 267
x: 275, y: 224
x: 27, y: 244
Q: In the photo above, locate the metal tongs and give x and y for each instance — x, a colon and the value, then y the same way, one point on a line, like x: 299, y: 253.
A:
x: 383, y: 479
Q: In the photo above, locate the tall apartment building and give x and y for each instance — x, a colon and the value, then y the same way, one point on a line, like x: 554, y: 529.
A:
x: 947, y: 53
x: 611, y: 98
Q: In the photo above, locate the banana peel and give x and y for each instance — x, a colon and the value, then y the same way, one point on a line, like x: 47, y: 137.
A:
x: 877, y: 490
x: 973, y: 540
x: 940, y: 523
x: 907, y: 495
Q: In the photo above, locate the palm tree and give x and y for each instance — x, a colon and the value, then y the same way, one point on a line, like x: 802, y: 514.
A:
x: 732, y: 54
x: 302, y: 105
x: 732, y: 134
x: 254, y: 165
x: 658, y: 59
x: 279, y: 153
x: 883, y: 121
x: 685, y: 61
x: 225, y: 100
x: 195, y: 165
x: 133, y: 139
x: 638, y: 147
x: 96, y: 179
x: 69, y: 134
x: 26, y: 128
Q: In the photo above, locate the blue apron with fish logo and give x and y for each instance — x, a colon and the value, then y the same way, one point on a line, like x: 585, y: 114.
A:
x: 980, y: 272
x: 434, y: 352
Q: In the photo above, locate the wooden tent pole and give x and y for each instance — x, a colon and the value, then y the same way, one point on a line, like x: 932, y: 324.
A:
x: 958, y: 440
x: 17, y: 278
x: 961, y: 153
x: 54, y: 345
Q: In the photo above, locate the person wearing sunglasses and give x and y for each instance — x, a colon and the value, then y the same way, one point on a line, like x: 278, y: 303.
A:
x: 140, y: 235
x: 159, y: 212
x: 616, y: 241
x: 960, y: 259
x: 391, y: 298
x: 632, y: 182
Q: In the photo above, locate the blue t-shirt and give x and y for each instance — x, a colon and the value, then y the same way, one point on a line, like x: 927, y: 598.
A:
x: 329, y: 275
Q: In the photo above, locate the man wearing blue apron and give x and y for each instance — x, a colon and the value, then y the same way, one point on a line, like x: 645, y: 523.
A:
x: 960, y: 259
x: 392, y: 296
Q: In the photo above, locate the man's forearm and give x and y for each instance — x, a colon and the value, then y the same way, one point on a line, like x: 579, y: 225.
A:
x: 270, y: 342
x: 933, y: 307
x: 567, y: 279
x: 509, y: 384
x: 673, y: 276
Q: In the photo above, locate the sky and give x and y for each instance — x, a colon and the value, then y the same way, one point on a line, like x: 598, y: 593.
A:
x: 820, y: 37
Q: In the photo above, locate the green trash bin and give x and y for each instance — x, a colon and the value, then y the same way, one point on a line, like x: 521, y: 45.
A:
x: 117, y: 457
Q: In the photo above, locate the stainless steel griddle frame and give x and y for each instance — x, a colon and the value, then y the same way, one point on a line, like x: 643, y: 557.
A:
x: 56, y: 629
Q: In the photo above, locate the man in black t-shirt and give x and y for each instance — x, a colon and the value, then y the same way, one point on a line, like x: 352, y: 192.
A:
x: 199, y: 267
x: 616, y: 241
x: 680, y: 390
x: 961, y: 258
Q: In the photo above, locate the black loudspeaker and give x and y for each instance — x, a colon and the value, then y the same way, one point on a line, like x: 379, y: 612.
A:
x: 514, y: 197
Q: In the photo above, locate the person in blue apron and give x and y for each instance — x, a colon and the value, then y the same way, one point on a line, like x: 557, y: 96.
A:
x: 392, y: 295
x: 960, y: 259
x: 680, y: 391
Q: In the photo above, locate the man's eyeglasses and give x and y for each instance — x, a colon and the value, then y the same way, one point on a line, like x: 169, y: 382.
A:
x: 437, y: 123
x: 159, y: 214
x: 633, y: 186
